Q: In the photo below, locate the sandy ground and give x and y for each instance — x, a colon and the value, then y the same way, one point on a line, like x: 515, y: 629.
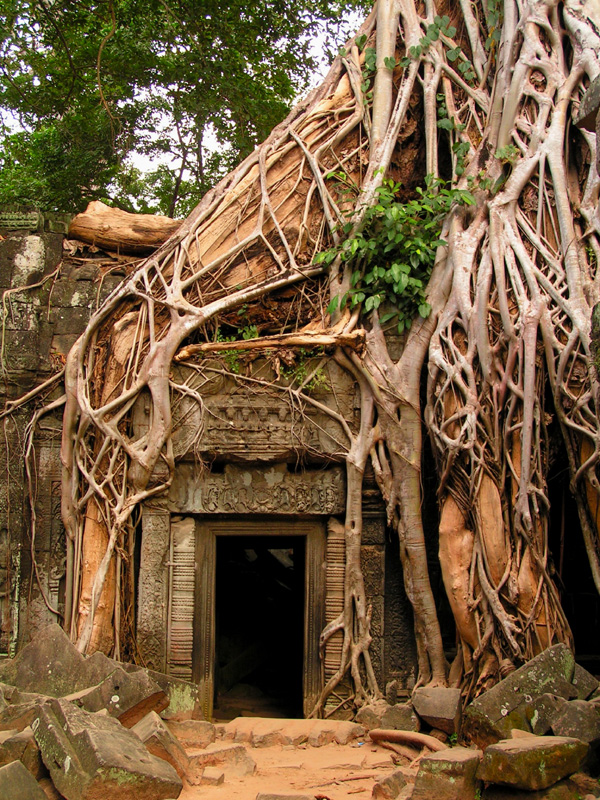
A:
x: 330, y: 772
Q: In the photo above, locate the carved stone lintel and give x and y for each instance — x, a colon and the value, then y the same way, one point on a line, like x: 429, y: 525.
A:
x: 273, y: 490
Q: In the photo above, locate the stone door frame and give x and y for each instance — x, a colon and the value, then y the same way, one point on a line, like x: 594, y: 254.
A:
x: 207, y: 530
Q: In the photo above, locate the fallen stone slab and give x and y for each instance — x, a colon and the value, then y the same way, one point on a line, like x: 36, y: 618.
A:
x: 371, y: 714
x: 448, y: 775
x: 400, y: 717
x: 234, y: 759
x: 439, y: 707
x: 542, y: 710
x: 91, y: 756
x: 22, y: 746
x: 271, y: 732
x: 17, y: 783
x: 579, y: 720
x: 193, y: 732
x: 381, y: 714
x: 328, y: 731
x: 126, y: 696
x: 182, y: 695
x: 20, y: 715
x: 584, y: 683
x: 346, y: 732
x: 563, y: 790
x: 50, y: 665
x: 50, y: 789
x: 492, y: 715
x: 159, y: 741
x: 531, y: 763
x: 279, y: 796
x: 212, y: 776
x: 390, y: 786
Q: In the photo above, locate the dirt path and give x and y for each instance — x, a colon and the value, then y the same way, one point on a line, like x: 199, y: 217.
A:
x: 328, y: 772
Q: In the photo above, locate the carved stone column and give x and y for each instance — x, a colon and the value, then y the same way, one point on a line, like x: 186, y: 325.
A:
x: 153, y: 588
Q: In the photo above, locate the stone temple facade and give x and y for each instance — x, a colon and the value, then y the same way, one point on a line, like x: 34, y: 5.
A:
x: 241, y: 565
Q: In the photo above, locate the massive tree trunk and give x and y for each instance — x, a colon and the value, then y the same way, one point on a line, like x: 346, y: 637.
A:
x: 486, y: 94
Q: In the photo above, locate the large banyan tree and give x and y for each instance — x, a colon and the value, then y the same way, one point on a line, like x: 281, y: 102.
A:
x: 432, y: 189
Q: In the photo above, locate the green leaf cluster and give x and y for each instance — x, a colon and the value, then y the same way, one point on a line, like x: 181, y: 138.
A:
x: 393, y: 253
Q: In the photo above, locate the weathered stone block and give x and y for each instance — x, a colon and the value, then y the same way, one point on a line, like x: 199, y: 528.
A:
x: 346, y: 731
x: 193, y: 732
x: 588, y: 108
x: 370, y: 715
x: 579, y: 720
x: 531, y: 763
x: 50, y: 665
x: 285, y: 796
x: 159, y: 741
x: 400, y: 717
x: 584, y: 683
x: 233, y: 758
x: 126, y: 696
x: 212, y: 776
x: 22, y: 746
x: 448, y: 775
x: 70, y: 320
x: 67, y: 293
x: 563, y: 790
x: 19, y: 715
x: 17, y: 783
x: 439, y: 707
x: 183, y: 695
x: 388, y: 788
x: 492, y: 715
x: 92, y: 756
x: 542, y: 710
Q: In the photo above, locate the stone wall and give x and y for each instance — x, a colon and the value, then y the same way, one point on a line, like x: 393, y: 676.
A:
x: 44, y: 309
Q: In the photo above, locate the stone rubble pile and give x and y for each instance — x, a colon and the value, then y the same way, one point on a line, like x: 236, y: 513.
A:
x: 87, y: 728
x: 527, y: 738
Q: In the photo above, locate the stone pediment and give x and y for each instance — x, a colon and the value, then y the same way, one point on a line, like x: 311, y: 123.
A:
x: 259, y: 423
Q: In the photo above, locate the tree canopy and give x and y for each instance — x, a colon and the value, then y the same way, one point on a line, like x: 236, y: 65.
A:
x: 84, y: 85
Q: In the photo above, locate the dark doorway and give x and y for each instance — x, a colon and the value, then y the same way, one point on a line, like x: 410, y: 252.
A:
x: 259, y: 615
x: 571, y: 569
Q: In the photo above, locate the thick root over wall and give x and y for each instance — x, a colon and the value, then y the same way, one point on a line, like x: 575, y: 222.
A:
x: 511, y: 295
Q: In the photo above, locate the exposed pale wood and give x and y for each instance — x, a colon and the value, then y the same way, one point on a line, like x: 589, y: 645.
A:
x: 114, y: 229
x: 354, y: 340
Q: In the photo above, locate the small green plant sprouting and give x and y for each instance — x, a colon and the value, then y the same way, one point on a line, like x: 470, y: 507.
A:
x: 453, y: 739
x: 298, y: 373
x: 507, y: 154
x: 232, y: 357
x: 393, y: 253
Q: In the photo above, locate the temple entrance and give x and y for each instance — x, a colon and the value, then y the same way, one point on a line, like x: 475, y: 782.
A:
x: 259, y: 616
x: 260, y: 607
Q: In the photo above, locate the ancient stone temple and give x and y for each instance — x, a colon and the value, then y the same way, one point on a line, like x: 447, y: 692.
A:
x: 241, y: 565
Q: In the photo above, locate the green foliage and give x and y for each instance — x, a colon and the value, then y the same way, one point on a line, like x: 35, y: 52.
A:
x: 304, y: 374
x: 193, y: 84
x: 507, y: 154
x: 441, y: 28
x: 232, y: 357
x: 393, y: 253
